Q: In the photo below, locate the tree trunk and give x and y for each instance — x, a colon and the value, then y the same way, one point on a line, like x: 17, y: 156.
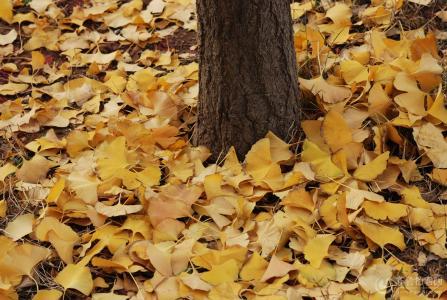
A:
x: 247, y: 75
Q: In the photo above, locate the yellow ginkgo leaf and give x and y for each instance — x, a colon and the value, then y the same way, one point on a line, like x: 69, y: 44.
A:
x: 413, y: 102
x: 375, y: 278
x: 406, y: 83
x: 278, y: 148
x: 380, y: 234
x: 329, y: 93
x: 20, y: 226
x: 84, y: 185
x: 12, y: 88
x: 254, y: 268
x: 378, y: 100
x: 56, y: 190
x: 258, y: 159
x: 47, y: 295
x: 298, y: 9
x: 150, y: 176
x: 76, y: 142
x: 232, y: 163
x: 21, y: 259
x: 428, y: 64
x: 261, y: 167
x: 35, y: 169
x: 8, y: 38
x: 372, y: 169
x: 3, y: 208
x: 276, y: 268
x: 353, y: 72
x: 439, y: 176
x: 159, y: 258
x: 385, y: 210
x: 112, y: 158
x: 6, y: 170
x: 328, y: 211
x: 421, y: 217
x: 76, y: 277
x: 194, y: 282
x: 310, y: 276
x: 438, y: 109
x: 118, y: 209
x: 6, y: 10
x: 225, y: 272
x: 321, y: 162
x: 108, y: 296
x: 299, y: 198
x: 116, y: 83
x: 336, y: 132
x: 431, y: 140
x: 61, y: 236
x: 37, y: 60
x: 412, y: 196
x: 316, y: 249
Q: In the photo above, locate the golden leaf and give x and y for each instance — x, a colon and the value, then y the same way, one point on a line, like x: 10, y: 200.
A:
x: 374, y: 168
x: 6, y: 170
x: 8, y: 38
x: 61, y: 236
x: 329, y: 93
x: 254, y: 268
x: 276, y: 268
x: 225, y: 272
x: 76, y: 277
x: 117, y: 209
x: 35, y: 169
x: 380, y: 234
x: 375, y: 278
x: 335, y: 130
x: 47, y: 295
x: 385, y: 210
x: 321, y: 162
x: 20, y: 226
x: 6, y: 10
x: 316, y: 249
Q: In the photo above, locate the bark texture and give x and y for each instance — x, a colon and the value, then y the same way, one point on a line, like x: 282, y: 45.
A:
x: 247, y: 74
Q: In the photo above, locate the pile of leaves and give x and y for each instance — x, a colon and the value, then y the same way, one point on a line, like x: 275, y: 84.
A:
x: 103, y: 196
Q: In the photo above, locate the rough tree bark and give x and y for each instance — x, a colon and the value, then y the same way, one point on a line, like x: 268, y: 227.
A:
x: 247, y: 74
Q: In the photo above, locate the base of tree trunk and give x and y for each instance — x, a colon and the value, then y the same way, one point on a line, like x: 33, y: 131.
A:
x: 247, y: 74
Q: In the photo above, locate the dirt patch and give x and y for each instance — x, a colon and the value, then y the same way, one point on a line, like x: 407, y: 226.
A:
x: 181, y: 40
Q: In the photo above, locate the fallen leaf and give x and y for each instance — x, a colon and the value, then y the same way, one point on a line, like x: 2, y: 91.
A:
x: 335, y: 131
x: 316, y: 249
x: 8, y: 38
x: 254, y: 268
x: 374, y: 168
x: 276, y: 268
x: 320, y: 161
x: 328, y: 93
x: 76, y: 277
x: 430, y: 139
x: 35, y: 169
x: 6, y: 170
x: 375, y: 278
x: 61, y: 236
x: 20, y: 226
x: 117, y: 209
x: 6, y: 11
x: 225, y: 272
x: 10, y: 88
x: 421, y: 2
x: 47, y: 295
x: 380, y: 234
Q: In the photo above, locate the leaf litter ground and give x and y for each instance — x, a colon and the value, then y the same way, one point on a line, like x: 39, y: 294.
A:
x: 103, y: 196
